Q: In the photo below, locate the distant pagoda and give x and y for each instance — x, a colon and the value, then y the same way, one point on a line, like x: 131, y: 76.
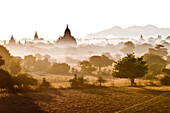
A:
x: 12, y: 40
x: 36, y: 36
x: 67, y: 39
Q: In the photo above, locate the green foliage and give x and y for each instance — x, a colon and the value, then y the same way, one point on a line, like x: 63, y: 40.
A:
x: 130, y: 67
x: 78, y: 81
x: 86, y: 67
x: 14, y: 66
x: 24, y: 80
x: 101, y: 61
x: 101, y: 80
x: 60, y: 68
x: 45, y: 84
x: 2, y: 61
x: 165, y: 80
x: 6, y: 80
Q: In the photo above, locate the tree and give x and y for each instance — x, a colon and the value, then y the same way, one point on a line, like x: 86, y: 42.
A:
x: 101, y: 80
x: 6, y: 55
x: 60, y: 68
x: 155, y: 62
x: 166, y: 71
x: 156, y: 68
x: 42, y: 65
x: 6, y: 81
x: 130, y: 67
x: 153, y: 58
x: 128, y: 48
x: 168, y: 59
x: 24, y: 80
x: 159, y: 50
x: 2, y: 61
x: 29, y: 62
x: 14, y: 66
x: 86, y: 67
x: 100, y: 61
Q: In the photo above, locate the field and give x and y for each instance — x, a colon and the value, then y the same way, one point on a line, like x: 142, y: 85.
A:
x: 118, y: 98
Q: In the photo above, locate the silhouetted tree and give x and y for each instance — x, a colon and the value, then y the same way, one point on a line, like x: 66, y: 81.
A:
x: 168, y: 59
x: 29, y: 62
x: 6, y: 55
x: 166, y: 71
x: 6, y: 81
x: 165, y: 80
x: 100, y: 61
x: 78, y: 81
x: 60, y: 68
x: 86, y: 67
x: 2, y: 61
x: 42, y: 65
x: 14, y: 66
x: 153, y: 58
x: 156, y: 68
x: 128, y: 48
x: 130, y: 67
x: 25, y: 80
x: 155, y: 62
x: 101, y: 80
x: 159, y: 50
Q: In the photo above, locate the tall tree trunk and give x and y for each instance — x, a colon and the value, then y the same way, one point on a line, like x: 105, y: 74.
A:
x: 99, y: 70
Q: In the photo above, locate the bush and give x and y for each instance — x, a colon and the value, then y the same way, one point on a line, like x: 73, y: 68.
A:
x: 24, y: 80
x: 45, y: 84
x: 6, y: 81
x: 78, y: 81
x: 165, y: 80
x: 101, y: 80
x: 60, y: 68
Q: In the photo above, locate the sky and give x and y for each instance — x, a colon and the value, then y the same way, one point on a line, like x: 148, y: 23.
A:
x: 49, y: 17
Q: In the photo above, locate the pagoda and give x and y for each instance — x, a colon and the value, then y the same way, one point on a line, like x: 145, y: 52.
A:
x: 67, y: 39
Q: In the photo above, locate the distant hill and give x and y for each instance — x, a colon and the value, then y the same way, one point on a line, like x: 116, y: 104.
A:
x: 131, y: 32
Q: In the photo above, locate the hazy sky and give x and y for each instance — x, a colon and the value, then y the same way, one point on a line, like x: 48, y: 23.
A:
x: 49, y: 17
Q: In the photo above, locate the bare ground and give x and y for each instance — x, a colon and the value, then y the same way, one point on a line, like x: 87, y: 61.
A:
x: 105, y: 100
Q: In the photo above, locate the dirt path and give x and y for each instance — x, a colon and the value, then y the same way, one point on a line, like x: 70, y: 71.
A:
x: 147, y: 104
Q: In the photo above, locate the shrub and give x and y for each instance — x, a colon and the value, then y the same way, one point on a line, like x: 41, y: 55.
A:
x: 59, y: 68
x: 45, y: 84
x: 78, y: 81
x: 165, y: 80
x: 24, y: 80
x: 101, y: 80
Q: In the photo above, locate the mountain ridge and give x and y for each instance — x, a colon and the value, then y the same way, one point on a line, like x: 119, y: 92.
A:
x: 132, y: 31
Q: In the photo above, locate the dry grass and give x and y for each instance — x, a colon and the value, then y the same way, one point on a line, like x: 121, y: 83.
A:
x: 81, y: 100
x: 105, y: 100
